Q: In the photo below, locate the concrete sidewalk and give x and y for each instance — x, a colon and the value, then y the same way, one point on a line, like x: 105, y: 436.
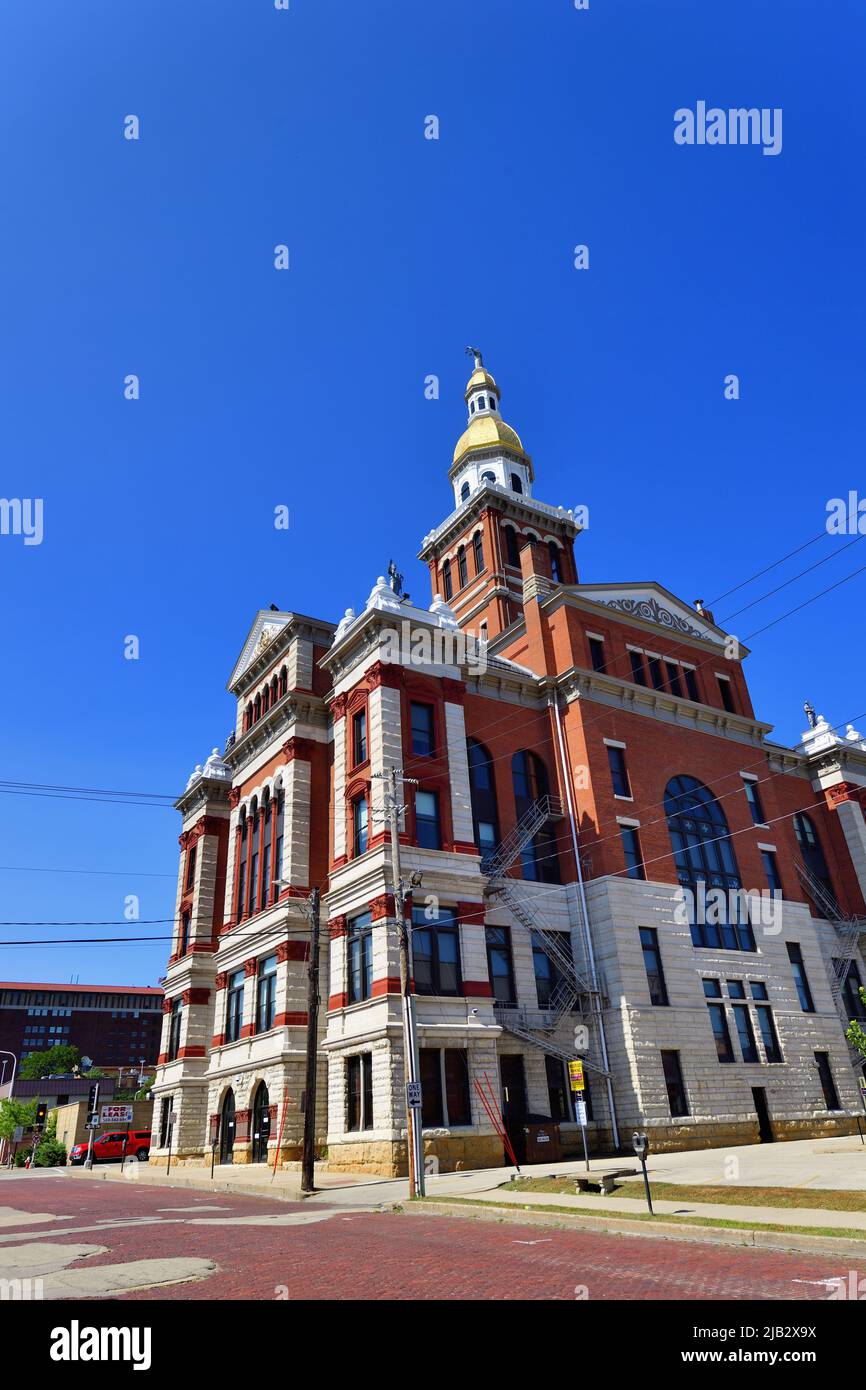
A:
x: 631, y: 1206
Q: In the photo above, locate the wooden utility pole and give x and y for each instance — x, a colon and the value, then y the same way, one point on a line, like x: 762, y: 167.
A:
x: 309, y: 1151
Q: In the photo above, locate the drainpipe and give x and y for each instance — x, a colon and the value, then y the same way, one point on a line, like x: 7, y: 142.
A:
x: 587, y: 934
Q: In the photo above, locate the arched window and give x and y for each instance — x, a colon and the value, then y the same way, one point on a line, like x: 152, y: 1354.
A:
x: 488, y: 477
x: 446, y: 579
x: 248, y: 717
x: 511, y: 551
x: 555, y: 562
x: 472, y: 406
x: 464, y: 492
x: 278, y: 841
x: 274, y: 691
x: 705, y: 860
x: 462, y: 572
x: 482, y: 790
x: 254, y: 857
x: 227, y: 1127
x: 529, y: 779
x: 491, y: 403
x: 242, y: 865
x: 261, y: 1124
x: 284, y: 681
x: 267, y: 811
x: 266, y: 699
x: 478, y: 552
x: 257, y: 709
x: 516, y: 484
x: 810, y: 849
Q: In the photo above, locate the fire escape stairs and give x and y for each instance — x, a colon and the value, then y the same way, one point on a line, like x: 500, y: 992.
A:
x: 573, y: 989
x: 848, y: 931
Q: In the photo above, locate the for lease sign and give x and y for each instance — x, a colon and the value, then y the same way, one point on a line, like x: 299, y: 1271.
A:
x: 116, y: 1114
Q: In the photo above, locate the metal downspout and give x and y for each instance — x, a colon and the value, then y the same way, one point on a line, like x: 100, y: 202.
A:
x: 566, y: 778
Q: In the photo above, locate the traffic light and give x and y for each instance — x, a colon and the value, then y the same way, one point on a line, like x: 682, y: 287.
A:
x: 41, y: 1112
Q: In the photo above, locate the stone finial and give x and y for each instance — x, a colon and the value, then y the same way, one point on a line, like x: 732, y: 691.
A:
x: 195, y: 776
x: 439, y: 608
x: 383, y: 596
x: 344, y: 624
x: 215, y: 767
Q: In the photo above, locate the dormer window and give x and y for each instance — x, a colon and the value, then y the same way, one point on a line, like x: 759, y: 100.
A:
x: 491, y: 404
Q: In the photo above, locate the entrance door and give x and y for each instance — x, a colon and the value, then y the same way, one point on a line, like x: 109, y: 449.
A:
x: 227, y: 1128
x: 514, y: 1107
x: 765, y: 1127
x: 261, y: 1125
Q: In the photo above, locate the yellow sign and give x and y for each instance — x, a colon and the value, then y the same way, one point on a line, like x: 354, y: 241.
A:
x: 575, y: 1076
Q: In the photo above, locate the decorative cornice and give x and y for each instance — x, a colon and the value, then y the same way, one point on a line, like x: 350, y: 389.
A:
x: 298, y: 748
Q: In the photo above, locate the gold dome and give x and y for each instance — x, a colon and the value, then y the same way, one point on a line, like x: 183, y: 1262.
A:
x: 486, y: 432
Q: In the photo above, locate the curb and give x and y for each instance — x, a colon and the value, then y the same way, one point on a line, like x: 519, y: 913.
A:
x: 225, y: 1189
x: 666, y: 1230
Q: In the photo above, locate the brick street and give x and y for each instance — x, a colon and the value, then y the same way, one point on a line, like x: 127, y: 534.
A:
x: 255, y: 1250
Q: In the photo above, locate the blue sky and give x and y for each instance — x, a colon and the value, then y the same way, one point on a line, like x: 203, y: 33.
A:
x: 305, y: 387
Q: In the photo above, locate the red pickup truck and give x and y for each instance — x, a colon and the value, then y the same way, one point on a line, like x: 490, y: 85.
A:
x: 107, y: 1147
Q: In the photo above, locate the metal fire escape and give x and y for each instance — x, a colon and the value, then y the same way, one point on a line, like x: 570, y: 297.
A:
x: 574, y: 991
x: 848, y: 930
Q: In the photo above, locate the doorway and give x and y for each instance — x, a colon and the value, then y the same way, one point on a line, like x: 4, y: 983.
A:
x: 261, y: 1125
x: 514, y: 1107
x: 227, y: 1128
x: 765, y: 1127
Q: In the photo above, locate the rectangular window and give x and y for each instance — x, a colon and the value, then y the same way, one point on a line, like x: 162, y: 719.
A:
x: 753, y: 796
x: 726, y: 693
x: 558, y: 1097
x: 427, y: 833
x: 174, y: 1028
x: 421, y: 717
x: 499, y: 965
x: 359, y: 737
x: 183, y: 943
x: 596, y: 653
x: 656, y: 673
x: 638, y: 673
x: 618, y: 771
x: 359, y: 1091
x: 190, y: 868
x: 234, y: 1006
x: 804, y: 993
x: 548, y: 975
x: 632, y: 852
x: 721, y: 1034
x: 266, y: 994
x: 446, y: 580
x: 649, y: 940
x: 692, y: 684
x: 444, y: 1087
x: 673, y: 674
x: 455, y: 1064
x: 359, y: 826
x: 771, y: 869
x: 462, y: 570
x: 359, y: 957
x: 748, y: 1047
x: 767, y: 1025
x: 436, y: 953
x: 854, y: 1006
x: 676, y: 1090
x: 828, y: 1085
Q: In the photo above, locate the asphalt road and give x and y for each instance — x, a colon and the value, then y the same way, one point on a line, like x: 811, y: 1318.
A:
x: 89, y: 1238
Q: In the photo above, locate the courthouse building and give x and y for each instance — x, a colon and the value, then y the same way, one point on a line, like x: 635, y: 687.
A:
x: 589, y: 798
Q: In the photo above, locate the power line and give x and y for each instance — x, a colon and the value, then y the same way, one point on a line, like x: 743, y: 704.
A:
x: 113, y: 873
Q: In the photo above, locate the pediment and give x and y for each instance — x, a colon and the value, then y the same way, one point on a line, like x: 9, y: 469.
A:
x: 651, y: 603
x: 267, y: 625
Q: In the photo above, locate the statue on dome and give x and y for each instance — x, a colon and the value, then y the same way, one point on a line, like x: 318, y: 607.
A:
x: 810, y: 714
x: 395, y: 579
x: 476, y: 353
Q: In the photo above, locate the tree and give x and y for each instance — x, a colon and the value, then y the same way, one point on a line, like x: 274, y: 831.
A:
x: 57, y: 1060
x: 143, y: 1093
x: 855, y: 1032
x: 14, y: 1113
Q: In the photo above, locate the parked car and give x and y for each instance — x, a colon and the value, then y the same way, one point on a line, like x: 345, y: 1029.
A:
x: 109, y: 1147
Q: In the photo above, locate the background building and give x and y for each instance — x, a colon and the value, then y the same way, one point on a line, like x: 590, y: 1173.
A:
x: 571, y: 793
x: 116, y: 1025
